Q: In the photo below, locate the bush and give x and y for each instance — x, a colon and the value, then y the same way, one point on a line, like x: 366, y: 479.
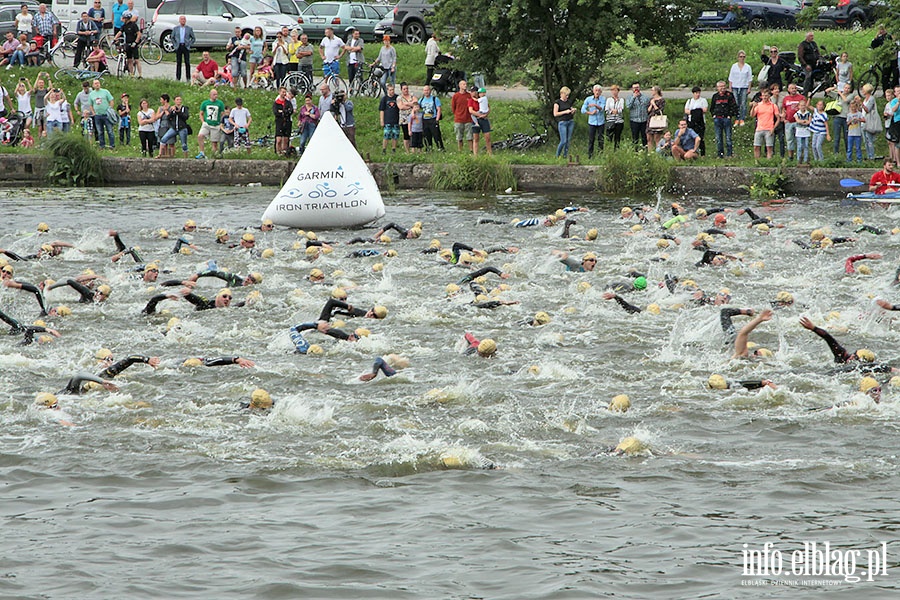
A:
x: 74, y: 161
x: 468, y: 173
x: 767, y: 184
x: 625, y: 172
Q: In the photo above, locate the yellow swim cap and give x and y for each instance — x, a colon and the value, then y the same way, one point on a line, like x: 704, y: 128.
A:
x: 378, y: 267
x: 105, y: 290
x: 362, y: 332
x: 46, y: 247
x: 637, y: 227
x: 44, y: 339
x: 391, y: 253
x: 626, y: 210
x: 192, y: 363
x: 256, y: 277
x: 385, y: 239
x: 717, y: 382
x: 591, y: 235
x: 415, y: 232
x: 315, y: 350
x: 700, y: 212
x: 864, y: 270
x: 765, y: 353
x: 435, y: 244
x: 63, y: 311
x: 816, y: 235
x: 339, y: 293
x: 451, y: 289
x: 662, y: 243
x: 162, y: 233
x: 446, y: 254
x: 312, y: 251
x: 487, y: 347
x: 45, y: 399
x: 337, y: 273
x: 397, y: 361
x: 172, y: 323
x: 895, y: 381
x: 857, y: 221
x: 620, y: 403
x: 316, y: 274
x: 185, y: 250
x: 784, y: 297
x: 7, y: 269
x: 220, y: 233
x: 583, y: 286
x: 261, y: 399
x: 190, y: 223
x: 541, y: 318
x: 865, y: 355
x: 301, y: 233
x: 40, y: 323
x: 380, y: 312
x: 481, y: 298
x: 826, y: 243
x: 762, y: 228
x: 338, y: 323
x: 653, y: 308
x: 103, y: 354
x: 589, y: 256
x: 630, y: 446
x: 464, y: 258
x: 248, y: 237
x: 224, y: 292
x: 268, y: 253
x: 867, y: 383
x: 310, y: 235
x: 297, y: 245
x: 43, y: 227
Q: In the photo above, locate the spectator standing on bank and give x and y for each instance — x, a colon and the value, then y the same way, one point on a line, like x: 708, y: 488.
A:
x: 211, y: 112
x: 240, y: 119
x: 183, y: 39
x: 146, y: 116
x: 808, y: 55
x: 431, y: 53
x: 776, y: 66
x: 695, y: 113
x: 637, y: 105
x: 308, y: 120
x: 283, y: 111
x: 279, y: 58
x: 818, y: 127
x: 118, y: 9
x: 431, y: 116
x: 331, y: 49
x: 802, y: 120
x: 839, y: 128
x: 657, y: 108
x: 124, y: 112
x: 564, y: 112
x: 257, y: 49
x: 873, y: 126
x: 724, y: 109
x: 594, y: 106
x: 789, y: 105
x: 462, y: 122
x: 843, y: 70
x: 739, y: 78
x: 615, y: 119
x: 767, y: 118
x: 301, y: 55
x: 387, y: 60
x: 355, y: 49
x: 855, y: 120
x: 101, y: 101
x: 389, y: 115
x: 84, y: 31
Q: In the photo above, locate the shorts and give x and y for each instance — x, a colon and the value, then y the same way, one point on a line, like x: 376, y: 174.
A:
x: 241, y: 140
x: 484, y: 126
x: 405, y: 129
x: 392, y: 132
x: 282, y: 128
x: 463, y: 131
x: 131, y: 52
x: 255, y: 59
x: 415, y: 139
x: 764, y: 137
x: 211, y: 131
x: 238, y: 68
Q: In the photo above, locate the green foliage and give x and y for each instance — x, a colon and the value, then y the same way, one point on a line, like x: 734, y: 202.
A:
x: 75, y: 162
x: 627, y: 172
x: 767, y: 184
x: 482, y: 173
x: 568, y: 39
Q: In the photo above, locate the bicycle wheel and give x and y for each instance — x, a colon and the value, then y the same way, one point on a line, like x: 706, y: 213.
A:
x: 872, y: 77
x: 109, y: 46
x: 68, y: 46
x: 337, y: 84
x: 120, y: 66
x: 356, y: 86
x: 62, y: 72
x: 373, y: 89
x: 151, y: 52
x: 298, y: 83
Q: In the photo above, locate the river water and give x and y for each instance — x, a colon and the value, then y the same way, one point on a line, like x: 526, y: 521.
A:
x: 343, y: 490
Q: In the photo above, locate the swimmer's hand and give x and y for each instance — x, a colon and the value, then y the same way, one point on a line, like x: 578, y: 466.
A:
x: 769, y: 383
x: 807, y: 323
x: 109, y: 385
x: 504, y: 275
x: 244, y: 363
x: 54, y: 332
x: 611, y: 295
x: 765, y: 315
x: 367, y: 377
x: 874, y: 255
x: 884, y: 304
x: 153, y: 362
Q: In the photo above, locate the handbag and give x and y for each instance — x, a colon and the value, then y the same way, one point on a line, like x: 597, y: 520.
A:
x: 763, y: 76
x: 659, y: 122
x: 833, y: 108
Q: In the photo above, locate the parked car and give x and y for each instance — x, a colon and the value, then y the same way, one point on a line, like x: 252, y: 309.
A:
x: 8, y: 12
x: 756, y: 14
x: 850, y: 14
x: 214, y: 21
x: 411, y: 21
x: 340, y: 16
x: 293, y: 8
x: 385, y: 27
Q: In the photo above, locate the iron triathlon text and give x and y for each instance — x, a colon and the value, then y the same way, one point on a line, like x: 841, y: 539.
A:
x: 323, y: 190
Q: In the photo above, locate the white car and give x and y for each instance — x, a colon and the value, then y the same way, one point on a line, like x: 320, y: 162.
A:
x: 214, y: 21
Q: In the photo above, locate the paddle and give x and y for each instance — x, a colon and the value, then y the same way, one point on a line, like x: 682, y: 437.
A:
x: 848, y: 183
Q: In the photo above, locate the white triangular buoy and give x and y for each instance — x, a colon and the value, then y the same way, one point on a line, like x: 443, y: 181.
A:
x: 331, y: 186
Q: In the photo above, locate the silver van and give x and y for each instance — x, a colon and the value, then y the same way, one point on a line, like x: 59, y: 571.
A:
x: 213, y: 21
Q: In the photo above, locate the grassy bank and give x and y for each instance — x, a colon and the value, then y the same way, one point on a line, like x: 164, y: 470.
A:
x: 708, y: 56
x: 506, y: 117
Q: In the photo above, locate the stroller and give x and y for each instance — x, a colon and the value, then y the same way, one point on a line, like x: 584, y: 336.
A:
x: 445, y: 78
x: 11, y: 128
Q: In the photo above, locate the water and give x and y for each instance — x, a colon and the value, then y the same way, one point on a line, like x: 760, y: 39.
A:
x: 342, y: 491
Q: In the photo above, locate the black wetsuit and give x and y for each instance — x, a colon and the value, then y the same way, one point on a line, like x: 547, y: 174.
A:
x: 12, y: 255
x: 840, y: 354
x: 15, y: 328
x: 476, y: 274
x: 457, y: 249
x: 339, y: 307
x: 119, y: 366
x: 629, y: 308
x: 232, y: 279
x: 363, y: 253
x: 121, y: 247
x: 75, y: 383
x: 567, y: 225
x: 33, y: 289
x: 86, y: 293
x: 725, y: 317
x: 201, y: 303
x: 183, y: 242
x: 332, y: 332
x: 714, y: 231
x: 708, y: 257
x: 220, y: 361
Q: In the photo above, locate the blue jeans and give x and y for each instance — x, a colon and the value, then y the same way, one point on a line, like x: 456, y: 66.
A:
x: 565, y: 136
x: 388, y: 75
x: 854, y: 142
x: 870, y: 144
x: 802, y: 149
x: 17, y: 58
x: 305, y: 134
x: 818, y: 140
x: 53, y: 126
x: 839, y: 131
x: 740, y: 96
x: 723, y: 127
x: 104, y: 129
x: 169, y: 137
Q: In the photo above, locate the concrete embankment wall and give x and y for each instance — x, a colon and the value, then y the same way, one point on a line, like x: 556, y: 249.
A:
x: 31, y: 169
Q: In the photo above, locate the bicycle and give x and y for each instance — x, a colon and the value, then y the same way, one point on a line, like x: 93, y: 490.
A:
x: 299, y: 83
x: 332, y: 80
x: 150, y: 52
x: 371, y: 86
x: 48, y: 55
x: 522, y: 141
x: 80, y: 74
x: 873, y: 77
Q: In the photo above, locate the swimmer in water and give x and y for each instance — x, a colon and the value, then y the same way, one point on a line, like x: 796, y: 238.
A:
x: 29, y: 331
x: 79, y: 284
x: 485, y: 348
x: 389, y: 365
x: 219, y: 361
x: 412, y: 233
x: 588, y: 261
x: 741, y: 342
x: 182, y: 245
x: 76, y: 383
x: 849, y: 267
x: 230, y: 279
x: 46, y: 250
x: 223, y: 299
x: 841, y: 356
x: 725, y: 320
x: 482, y: 272
x: 122, y: 249
x: 717, y: 382
x: 6, y: 279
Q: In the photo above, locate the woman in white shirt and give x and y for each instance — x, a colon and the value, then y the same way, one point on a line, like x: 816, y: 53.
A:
x: 23, y: 21
x: 615, y: 121
x: 695, y: 114
x: 65, y: 111
x: 23, y: 98
x: 739, y: 79
x: 53, y: 112
x: 146, y: 131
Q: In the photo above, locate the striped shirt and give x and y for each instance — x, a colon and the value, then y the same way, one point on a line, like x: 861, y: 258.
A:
x: 817, y: 125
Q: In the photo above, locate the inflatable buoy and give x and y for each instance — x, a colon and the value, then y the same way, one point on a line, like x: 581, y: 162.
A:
x: 331, y: 186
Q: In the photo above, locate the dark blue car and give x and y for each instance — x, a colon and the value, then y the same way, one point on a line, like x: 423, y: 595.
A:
x: 759, y: 14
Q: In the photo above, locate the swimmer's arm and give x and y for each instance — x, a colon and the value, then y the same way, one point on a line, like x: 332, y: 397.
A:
x: 12, y: 255
x: 199, y: 301
x: 848, y: 264
x: 671, y: 282
x: 244, y: 363
x: 755, y: 384
x: 15, y: 326
x: 629, y: 308
x: 571, y: 263
x: 740, y: 343
x: 882, y: 303
x: 75, y: 383
x: 727, y: 314
x: 840, y: 354
x: 116, y: 368
x: 870, y: 229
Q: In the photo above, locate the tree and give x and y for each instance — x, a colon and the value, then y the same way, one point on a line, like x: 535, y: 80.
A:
x: 567, y: 38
